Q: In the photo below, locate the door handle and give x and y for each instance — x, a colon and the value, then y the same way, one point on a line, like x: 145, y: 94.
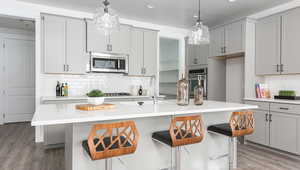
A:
x: 266, y: 117
x: 64, y: 68
x: 281, y: 67
x: 277, y: 68
x: 270, y: 117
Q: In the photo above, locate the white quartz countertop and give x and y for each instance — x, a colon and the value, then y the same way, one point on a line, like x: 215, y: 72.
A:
x: 55, y: 98
x: 53, y: 114
x: 297, y: 102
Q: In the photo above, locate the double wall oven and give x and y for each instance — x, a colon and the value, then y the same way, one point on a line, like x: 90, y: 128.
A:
x: 108, y: 63
x: 194, y: 76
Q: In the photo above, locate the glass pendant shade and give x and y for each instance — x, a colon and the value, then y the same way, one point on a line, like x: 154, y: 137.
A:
x: 199, y: 34
x: 106, y: 20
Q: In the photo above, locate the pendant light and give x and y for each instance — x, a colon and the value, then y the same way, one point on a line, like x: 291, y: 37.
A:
x: 199, y: 34
x: 106, y: 19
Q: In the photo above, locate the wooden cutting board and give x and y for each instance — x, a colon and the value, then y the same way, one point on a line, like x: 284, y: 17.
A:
x: 91, y: 107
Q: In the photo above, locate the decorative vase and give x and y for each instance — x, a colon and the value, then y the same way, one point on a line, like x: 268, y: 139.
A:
x: 198, y: 93
x: 183, y: 92
x: 96, y: 100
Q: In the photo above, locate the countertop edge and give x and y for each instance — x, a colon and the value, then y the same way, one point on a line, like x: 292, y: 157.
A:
x: 296, y: 102
x: 145, y: 115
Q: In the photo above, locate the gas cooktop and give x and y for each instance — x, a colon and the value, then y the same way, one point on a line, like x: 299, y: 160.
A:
x: 116, y: 94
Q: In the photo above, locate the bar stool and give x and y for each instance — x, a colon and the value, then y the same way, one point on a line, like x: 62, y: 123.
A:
x: 240, y: 124
x: 111, y: 140
x: 182, y: 131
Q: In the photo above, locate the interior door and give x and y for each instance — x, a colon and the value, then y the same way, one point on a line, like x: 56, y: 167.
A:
x: 268, y: 46
x: 261, y: 132
x: 2, y: 86
x: 283, y: 133
x: 290, y: 42
x: 20, y: 80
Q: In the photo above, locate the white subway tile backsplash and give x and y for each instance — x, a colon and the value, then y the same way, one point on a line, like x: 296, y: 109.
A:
x: 283, y: 82
x: 81, y: 84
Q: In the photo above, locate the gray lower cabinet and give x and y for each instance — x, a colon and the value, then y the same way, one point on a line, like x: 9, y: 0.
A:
x: 277, y: 127
x: 283, y: 132
x: 63, y: 45
x: 54, y: 135
x: 261, y: 133
x: 143, y: 56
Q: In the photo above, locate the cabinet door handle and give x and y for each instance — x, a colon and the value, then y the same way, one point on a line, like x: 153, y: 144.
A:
x: 270, y: 117
x: 64, y: 68
x: 266, y: 117
x: 277, y: 68
x: 224, y: 49
x: 281, y: 67
x: 68, y: 67
x: 109, y: 47
x: 284, y: 108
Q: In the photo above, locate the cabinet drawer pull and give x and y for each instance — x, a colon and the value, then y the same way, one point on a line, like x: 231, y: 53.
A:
x: 284, y: 108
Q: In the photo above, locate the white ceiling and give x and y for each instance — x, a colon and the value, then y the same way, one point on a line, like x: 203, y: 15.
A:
x: 16, y: 23
x: 178, y: 13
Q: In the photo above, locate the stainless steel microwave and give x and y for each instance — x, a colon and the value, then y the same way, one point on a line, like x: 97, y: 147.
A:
x: 108, y: 63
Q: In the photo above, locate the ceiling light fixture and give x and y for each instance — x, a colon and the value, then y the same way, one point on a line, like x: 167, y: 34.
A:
x: 106, y: 19
x: 150, y: 6
x: 199, y: 33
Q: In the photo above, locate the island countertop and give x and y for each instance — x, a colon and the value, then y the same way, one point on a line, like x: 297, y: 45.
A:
x: 53, y: 114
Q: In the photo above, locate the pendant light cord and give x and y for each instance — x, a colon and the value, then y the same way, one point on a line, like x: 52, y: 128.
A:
x: 199, y: 17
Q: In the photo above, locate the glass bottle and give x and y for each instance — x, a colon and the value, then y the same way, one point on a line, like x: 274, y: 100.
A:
x: 198, y: 93
x: 183, y: 92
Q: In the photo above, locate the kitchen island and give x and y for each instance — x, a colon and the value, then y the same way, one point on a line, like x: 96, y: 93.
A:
x: 149, y: 117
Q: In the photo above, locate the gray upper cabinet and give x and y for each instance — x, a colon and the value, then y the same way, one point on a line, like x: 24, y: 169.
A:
x: 268, y: 46
x: 217, y: 43
x: 228, y: 39
x: 117, y: 42
x: 290, y: 42
x: 277, y: 39
x: 54, y: 44
x: 143, y: 58
x: 136, y: 58
x: 96, y: 40
x: 197, y: 54
x: 234, y: 38
x: 76, y: 57
x: 63, y: 45
x: 150, y: 52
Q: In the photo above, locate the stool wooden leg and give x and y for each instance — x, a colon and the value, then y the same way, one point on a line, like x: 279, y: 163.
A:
x: 108, y: 164
x: 177, y: 158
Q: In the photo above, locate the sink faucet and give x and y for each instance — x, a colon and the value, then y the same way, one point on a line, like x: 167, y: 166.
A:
x: 153, y: 82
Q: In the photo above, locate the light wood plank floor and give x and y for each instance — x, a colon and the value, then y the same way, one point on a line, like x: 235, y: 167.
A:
x: 19, y: 152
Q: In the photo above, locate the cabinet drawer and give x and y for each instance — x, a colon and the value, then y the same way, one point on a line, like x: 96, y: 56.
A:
x: 261, y: 105
x: 285, y: 108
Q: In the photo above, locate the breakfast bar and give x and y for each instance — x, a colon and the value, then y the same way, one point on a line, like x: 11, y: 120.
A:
x: 148, y: 117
